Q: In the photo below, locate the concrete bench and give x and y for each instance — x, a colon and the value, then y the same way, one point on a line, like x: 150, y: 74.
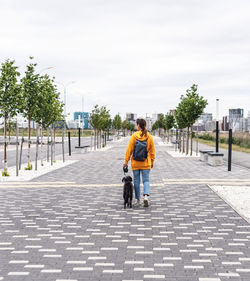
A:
x: 204, y: 155
x: 215, y: 158
x: 83, y: 148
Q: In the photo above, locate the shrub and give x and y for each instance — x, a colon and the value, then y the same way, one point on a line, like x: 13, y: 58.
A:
x: 5, y: 173
x: 29, y: 167
x: 239, y: 139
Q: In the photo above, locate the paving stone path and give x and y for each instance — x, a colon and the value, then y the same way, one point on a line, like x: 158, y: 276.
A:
x: 79, y: 230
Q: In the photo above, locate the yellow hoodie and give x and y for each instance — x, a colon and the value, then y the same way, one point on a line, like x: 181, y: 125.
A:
x: 140, y: 165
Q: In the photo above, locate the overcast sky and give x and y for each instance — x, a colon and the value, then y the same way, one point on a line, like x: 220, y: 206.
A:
x: 134, y: 55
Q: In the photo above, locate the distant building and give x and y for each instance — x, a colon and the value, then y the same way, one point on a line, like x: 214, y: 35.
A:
x: 149, y: 122
x: 84, y: 119
x: 236, y: 119
x: 172, y: 111
x: 205, y: 117
x: 131, y: 116
x: 72, y: 124
x: 247, y: 122
x: 210, y: 125
x: 225, y: 123
x: 156, y: 116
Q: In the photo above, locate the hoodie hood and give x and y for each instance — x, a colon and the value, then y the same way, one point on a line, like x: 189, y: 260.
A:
x: 139, y: 137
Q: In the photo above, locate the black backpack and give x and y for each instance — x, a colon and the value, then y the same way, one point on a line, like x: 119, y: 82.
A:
x: 140, y: 151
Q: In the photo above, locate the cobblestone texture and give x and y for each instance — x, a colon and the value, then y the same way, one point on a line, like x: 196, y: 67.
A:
x: 83, y: 233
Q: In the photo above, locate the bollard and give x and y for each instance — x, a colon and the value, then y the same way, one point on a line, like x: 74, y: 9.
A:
x: 230, y: 150
x: 21, y: 150
x: 79, y: 137
x: 217, y: 136
x: 69, y: 143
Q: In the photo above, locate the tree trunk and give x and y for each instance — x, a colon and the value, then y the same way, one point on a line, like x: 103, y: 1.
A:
x: 9, y: 129
x: 17, y: 144
x: 168, y: 136
x: 37, y: 141
x: 28, y: 156
x: 5, y: 144
x: 187, y: 150
x: 51, y: 146
x: 180, y: 140
x: 54, y: 146
x: 191, y: 149
x: 41, y: 146
x: 183, y: 142
x: 97, y: 139
x: 47, y: 144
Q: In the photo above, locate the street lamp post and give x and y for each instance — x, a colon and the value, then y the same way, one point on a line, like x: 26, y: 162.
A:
x: 64, y: 94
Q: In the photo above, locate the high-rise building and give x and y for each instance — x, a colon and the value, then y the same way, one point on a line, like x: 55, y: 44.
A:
x: 236, y: 119
x: 205, y: 117
x: 156, y: 116
x: 247, y: 125
x: 225, y: 123
x: 131, y: 116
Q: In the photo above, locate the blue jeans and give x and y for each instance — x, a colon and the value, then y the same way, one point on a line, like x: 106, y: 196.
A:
x: 145, y: 180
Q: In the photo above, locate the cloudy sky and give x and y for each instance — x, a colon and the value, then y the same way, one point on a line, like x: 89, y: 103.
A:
x: 134, y: 55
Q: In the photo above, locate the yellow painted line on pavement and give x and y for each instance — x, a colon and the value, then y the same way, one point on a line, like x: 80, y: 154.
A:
x: 207, y: 180
x: 58, y: 184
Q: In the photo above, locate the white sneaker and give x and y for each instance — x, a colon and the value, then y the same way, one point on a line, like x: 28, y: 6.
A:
x: 145, y: 201
x: 138, y: 203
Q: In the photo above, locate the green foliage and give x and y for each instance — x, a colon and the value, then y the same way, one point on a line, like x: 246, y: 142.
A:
x: 169, y: 121
x: 155, y: 125
x: 10, y: 94
x: 180, y: 117
x: 161, y: 122
x: 29, y: 167
x: 241, y: 140
x: 130, y: 127
x: 105, y: 120
x: 5, y: 173
x: 190, y: 108
x: 30, y: 88
x: 117, y: 122
x: 50, y: 107
x: 125, y: 124
x: 100, y: 118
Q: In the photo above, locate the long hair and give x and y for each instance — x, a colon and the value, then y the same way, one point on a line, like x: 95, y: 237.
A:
x: 142, y: 123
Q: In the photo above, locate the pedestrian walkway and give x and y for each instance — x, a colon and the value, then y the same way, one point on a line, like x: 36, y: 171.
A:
x: 71, y: 225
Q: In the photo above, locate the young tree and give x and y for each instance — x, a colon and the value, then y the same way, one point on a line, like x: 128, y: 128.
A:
x: 104, y: 124
x: 130, y: 127
x: 193, y: 105
x: 50, y: 108
x: 181, y: 123
x: 30, y: 89
x: 117, y: 122
x: 10, y: 98
x: 124, y: 126
x: 161, y: 123
x: 169, y: 122
x: 155, y: 126
x: 94, y: 121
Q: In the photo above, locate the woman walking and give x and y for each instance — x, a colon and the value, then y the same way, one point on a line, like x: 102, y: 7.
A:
x: 141, y: 148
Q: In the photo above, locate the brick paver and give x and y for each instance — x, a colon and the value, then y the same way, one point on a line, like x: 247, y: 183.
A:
x: 83, y: 233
